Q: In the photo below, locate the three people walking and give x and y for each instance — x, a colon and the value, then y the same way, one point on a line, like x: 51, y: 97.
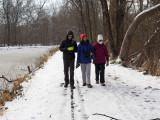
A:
x: 85, y: 52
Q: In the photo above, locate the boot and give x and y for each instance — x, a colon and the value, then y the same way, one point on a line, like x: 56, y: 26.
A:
x: 97, y: 82
x: 102, y: 84
x: 65, y: 85
x: 72, y: 87
x: 84, y: 84
x: 89, y: 86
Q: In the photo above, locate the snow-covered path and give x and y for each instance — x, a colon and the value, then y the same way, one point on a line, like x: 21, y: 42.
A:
x: 124, y: 97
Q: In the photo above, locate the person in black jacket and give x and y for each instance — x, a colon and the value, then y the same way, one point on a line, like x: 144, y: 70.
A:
x: 69, y: 48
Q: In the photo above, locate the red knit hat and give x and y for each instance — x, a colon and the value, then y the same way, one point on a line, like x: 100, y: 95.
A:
x: 82, y: 36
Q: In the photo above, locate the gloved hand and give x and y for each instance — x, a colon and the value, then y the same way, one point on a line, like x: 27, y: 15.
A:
x: 70, y: 48
x: 107, y: 63
x: 91, y: 56
x: 77, y: 64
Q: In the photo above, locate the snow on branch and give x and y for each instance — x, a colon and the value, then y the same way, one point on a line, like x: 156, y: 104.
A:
x: 148, y: 10
x: 132, y: 28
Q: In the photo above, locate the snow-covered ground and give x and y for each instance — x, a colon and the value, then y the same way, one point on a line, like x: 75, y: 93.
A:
x: 128, y: 95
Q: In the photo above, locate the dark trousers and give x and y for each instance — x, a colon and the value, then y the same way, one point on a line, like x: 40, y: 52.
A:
x: 69, y: 66
x: 99, y: 69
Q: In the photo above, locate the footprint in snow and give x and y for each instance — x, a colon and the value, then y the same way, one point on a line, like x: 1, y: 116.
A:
x: 147, y: 101
x: 32, y: 117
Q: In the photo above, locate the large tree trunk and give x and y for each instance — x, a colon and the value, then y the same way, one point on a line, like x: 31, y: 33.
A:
x: 79, y: 6
x: 15, y: 35
x: 132, y: 28
x: 9, y: 30
x: 89, y: 20
x: 94, y: 22
x: 113, y: 11
x: 121, y: 15
x: 117, y: 12
x: 82, y: 17
x: 6, y: 8
x: 107, y: 28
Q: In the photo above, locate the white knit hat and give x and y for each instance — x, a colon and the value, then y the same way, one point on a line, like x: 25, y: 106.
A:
x: 99, y: 37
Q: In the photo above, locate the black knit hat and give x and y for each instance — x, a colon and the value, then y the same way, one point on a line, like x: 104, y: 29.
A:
x: 70, y: 33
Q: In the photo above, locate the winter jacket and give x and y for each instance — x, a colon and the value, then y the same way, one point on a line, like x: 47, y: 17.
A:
x: 83, y: 53
x: 68, y: 55
x: 101, y: 53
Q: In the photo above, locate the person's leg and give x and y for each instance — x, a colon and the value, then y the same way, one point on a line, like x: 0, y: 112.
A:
x: 97, y: 70
x: 88, y: 73
x: 66, y: 68
x: 72, y: 72
x: 102, y: 69
x: 83, y: 69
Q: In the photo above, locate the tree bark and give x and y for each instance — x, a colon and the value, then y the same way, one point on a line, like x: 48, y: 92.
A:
x: 140, y: 5
x: 117, y: 12
x: 107, y: 28
x: 132, y: 28
x: 121, y: 16
x: 6, y: 7
x: 94, y: 22
x: 89, y: 20
x: 82, y: 16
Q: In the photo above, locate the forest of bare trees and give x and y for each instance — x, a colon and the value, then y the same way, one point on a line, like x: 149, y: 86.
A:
x: 134, y: 39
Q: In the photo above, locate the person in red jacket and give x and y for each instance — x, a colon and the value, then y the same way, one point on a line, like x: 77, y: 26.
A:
x: 101, y: 58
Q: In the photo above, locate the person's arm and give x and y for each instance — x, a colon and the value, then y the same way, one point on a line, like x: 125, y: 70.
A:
x: 62, y: 47
x: 92, y: 50
x: 78, y: 56
x: 75, y: 47
x: 78, y: 53
x: 106, y: 53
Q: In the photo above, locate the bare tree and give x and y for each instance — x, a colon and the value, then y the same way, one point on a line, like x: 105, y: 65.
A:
x: 16, y: 17
x: 107, y: 28
x: 117, y: 13
x: 88, y: 19
x: 131, y: 30
x: 7, y: 12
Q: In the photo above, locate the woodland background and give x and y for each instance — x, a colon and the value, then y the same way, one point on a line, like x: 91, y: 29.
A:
x: 23, y: 22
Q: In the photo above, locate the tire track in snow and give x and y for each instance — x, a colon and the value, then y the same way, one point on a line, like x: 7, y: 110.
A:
x: 66, y: 100
x: 81, y: 101
x: 72, y: 104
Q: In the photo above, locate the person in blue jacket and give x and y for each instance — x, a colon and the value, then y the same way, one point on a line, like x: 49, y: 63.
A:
x: 84, y: 53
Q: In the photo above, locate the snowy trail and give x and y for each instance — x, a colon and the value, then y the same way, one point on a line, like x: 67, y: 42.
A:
x: 123, y: 97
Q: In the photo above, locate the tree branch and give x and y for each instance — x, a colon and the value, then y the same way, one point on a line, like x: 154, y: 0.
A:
x: 112, y: 118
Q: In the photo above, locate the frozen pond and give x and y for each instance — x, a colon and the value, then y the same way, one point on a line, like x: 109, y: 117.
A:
x: 14, y: 61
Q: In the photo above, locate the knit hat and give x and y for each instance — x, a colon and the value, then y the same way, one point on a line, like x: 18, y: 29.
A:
x: 70, y: 33
x: 82, y: 36
x: 100, y: 37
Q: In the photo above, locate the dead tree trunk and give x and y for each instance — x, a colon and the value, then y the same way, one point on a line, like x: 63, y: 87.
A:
x: 132, y: 28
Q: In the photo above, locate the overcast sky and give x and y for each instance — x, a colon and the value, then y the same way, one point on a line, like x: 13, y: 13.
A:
x: 49, y: 3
